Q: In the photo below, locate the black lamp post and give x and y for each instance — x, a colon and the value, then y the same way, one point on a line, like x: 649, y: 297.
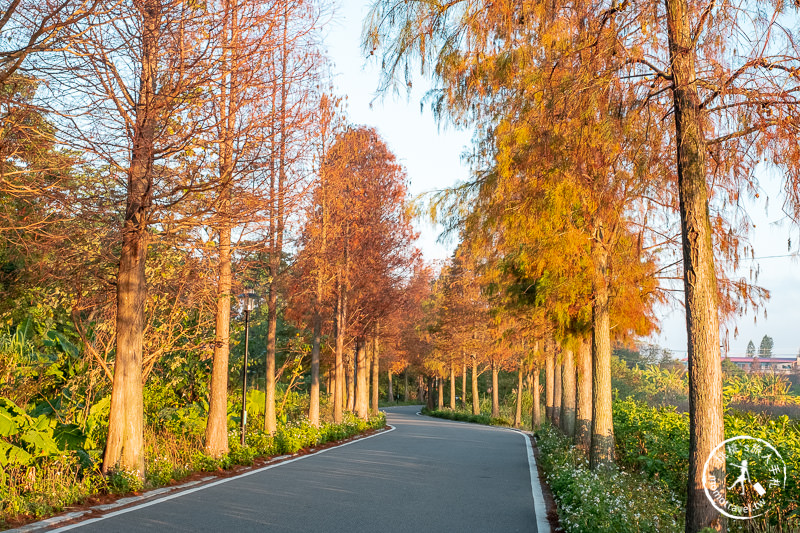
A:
x: 248, y: 301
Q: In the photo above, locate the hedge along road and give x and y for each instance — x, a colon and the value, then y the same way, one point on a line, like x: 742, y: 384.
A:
x: 425, y: 475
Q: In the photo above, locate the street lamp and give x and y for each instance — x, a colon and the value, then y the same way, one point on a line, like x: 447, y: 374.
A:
x: 248, y: 301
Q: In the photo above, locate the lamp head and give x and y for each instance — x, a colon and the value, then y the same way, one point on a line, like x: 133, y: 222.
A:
x: 248, y: 301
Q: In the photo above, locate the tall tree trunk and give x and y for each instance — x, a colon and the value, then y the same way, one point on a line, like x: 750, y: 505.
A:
x: 421, y: 388
x: 583, y: 415
x: 536, y: 417
x: 602, y: 450
x: 549, y: 384
x: 350, y: 380
x: 390, y: 390
x: 216, y: 443
x: 339, y: 327
x: 270, y: 419
x: 429, y: 391
x: 518, y: 413
x: 125, y: 442
x: 706, y: 427
x: 452, y: 386
x: 313, y: 405
x: 463, y: 381
x: 375, y: 372
x: 406, y: 391
x: 362, y: 375
x: 476, y: 401
x: 440, y: 393
x: 556, y: 391
x: 495, y: 392
x: 568, y: 393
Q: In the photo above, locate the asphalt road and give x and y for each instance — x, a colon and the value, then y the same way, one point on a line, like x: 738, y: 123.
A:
x: 427, y: 475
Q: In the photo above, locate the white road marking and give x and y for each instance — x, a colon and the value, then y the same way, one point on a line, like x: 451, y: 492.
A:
x: 214, y: 484
x: 542, y: 525
x: 539, y: 507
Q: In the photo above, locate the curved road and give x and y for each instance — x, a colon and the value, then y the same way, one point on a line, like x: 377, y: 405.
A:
x: 426, y: 475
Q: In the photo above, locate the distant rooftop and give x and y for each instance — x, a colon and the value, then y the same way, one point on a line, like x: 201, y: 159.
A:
x: 762, y: 359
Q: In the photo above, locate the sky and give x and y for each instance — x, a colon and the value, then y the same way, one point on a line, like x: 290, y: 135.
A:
x: 432, y: 157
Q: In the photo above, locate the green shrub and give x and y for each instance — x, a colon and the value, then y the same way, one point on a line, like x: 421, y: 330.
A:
x: 655, y: 442
x: 41, y: 474
x: 607, y: 500
x: 464, y: 416
x: 122, y: 482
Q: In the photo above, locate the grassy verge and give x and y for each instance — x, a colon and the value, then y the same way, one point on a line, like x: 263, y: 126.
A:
x: 608, y: 500
x: 466, y: 416
x: 35, y: 492
x: 384, y: 403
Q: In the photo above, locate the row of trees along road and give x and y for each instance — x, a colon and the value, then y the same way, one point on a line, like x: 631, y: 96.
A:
x: 161, y: 156
x: 608, y: 133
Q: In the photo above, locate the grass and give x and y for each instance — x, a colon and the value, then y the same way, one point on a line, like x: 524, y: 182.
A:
x: 467, y: 416
x: 33, y: 493
x: 383, y: 403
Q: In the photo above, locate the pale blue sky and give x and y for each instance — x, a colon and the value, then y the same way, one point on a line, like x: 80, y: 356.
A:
x: 433, y: 160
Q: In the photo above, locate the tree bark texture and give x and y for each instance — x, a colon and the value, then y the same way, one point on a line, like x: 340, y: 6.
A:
x: 464, y: 382
x: 216, y: 444
x: 270, y: 419
x: 602, y: 449
x: 568, y: 394
x: 452, y: 386
x: 313, y: 406
x: 495, y: 391
x: 549, y: 385
x: 706, y: 428
x: 518, y: 412
x: 476, y: 402
x: 276, y: 230
x: 440, y: 393
x: 350, y: 380
x: 362, y: 375
x: 536, y: 416
x: 583, y: 414
x: 339, y: 322
x: 556, y: 391
x: 375, y: 373
x: 216, y: 441
x: 125, y: 442
x: 390, y: 389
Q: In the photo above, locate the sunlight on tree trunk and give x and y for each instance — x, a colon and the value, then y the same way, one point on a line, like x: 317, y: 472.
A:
x: 549, y: 384
x: 463, y: 381
x: 452, y: 385
x: 375, y: 373
x: 495, y: 392
x: 568, y: 393
x: 706, y: 428
x: 557, y: 394
x: 518, y: 411
x: 583, y: 416
x: 602, y: 449
x: 536, y: 415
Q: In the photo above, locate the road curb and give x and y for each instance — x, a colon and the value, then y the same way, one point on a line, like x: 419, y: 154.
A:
x: 129, y: 504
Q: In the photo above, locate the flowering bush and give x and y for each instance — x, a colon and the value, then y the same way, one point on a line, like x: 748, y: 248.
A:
x: 605, y: 500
